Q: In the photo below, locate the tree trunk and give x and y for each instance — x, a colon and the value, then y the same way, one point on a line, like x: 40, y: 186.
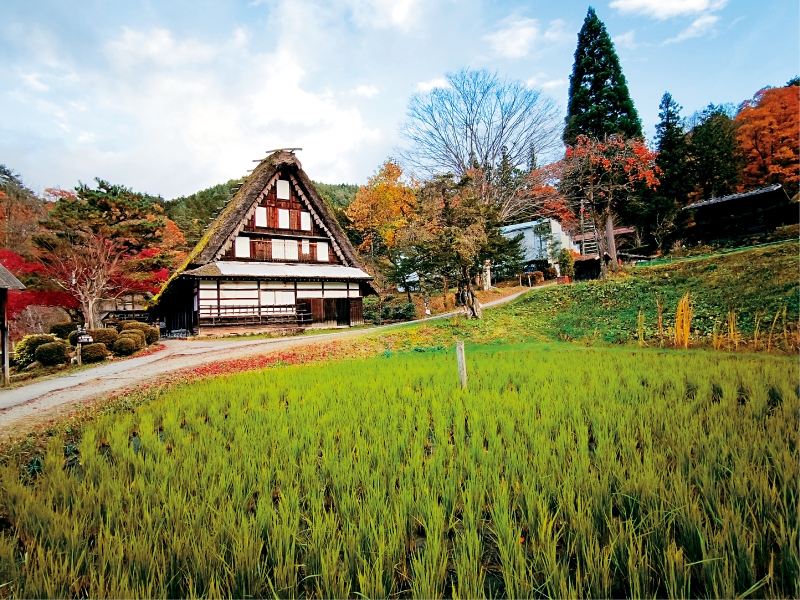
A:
x: 471, y: 303
x: 444, y: 295
x: 602, y: 243
x: 610, y: 241
x: 408, y: 290
x: 487, y: 275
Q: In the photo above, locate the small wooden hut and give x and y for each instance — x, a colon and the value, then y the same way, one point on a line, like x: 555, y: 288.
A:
x: 275, y: 257
x: 740, y: 215
x: 7, y: 282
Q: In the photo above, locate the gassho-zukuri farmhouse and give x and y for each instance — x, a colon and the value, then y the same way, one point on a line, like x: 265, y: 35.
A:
x: 275, y: 257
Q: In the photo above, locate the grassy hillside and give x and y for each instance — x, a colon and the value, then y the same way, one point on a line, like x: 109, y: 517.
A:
x: 754, y: 282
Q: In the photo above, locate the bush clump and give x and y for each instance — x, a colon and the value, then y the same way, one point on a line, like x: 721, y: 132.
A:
x: 125, y: 345
x: 372, y: 313
x: 538, y: 276
x: 63, y: 330
x: 25, y: 350
x: 566, y: 263
x: 151, y: 334
x: 137, y: 335
x: 107, y: 336
x: 94, y: 352
x: 52, y: 353
x: 405, y: 312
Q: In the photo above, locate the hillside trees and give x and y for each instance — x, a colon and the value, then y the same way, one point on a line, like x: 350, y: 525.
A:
x: 194, y: 212
x: 769, y: 135
x: 107, y: 241
x: 599, y: 103
x: 20, y: 209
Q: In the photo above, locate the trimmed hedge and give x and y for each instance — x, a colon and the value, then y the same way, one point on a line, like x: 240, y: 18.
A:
x: 25, y: 350
x: 125, y: 345
x: 94, y: 352
x: 54, y: 353
x: 137, y: 335
x: 151, y: 334
x: 107, y: 336
x: 62, y: 330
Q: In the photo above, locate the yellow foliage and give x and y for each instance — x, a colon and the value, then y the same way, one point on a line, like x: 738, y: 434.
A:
x: 383, y: 206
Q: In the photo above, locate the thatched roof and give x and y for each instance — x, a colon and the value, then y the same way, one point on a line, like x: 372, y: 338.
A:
x: 221, y: 233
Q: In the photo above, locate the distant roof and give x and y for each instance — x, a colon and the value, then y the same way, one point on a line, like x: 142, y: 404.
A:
x: 222, y: 268
x: 765, y: 190
x: 8, y: 281
x: 518, y: 226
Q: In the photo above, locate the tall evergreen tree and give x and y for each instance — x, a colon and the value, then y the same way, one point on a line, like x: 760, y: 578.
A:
x: 599, y: 103
x: 716, y: 157
x: 654, y: 210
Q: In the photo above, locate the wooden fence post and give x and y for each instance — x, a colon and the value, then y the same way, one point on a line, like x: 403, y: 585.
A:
x: 462, y: 363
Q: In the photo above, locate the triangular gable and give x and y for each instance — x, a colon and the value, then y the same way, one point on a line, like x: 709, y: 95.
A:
x: 224, y: 229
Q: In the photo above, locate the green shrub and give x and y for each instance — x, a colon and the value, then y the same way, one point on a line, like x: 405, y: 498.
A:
x: 125, y: 345
x: 52, y: 353
x: 151, y: 334
x: 137, y: 335
x: 72, y: 338
x: 62, y: 330
x: 25, y: 350
x: 566, y: 263
x: 107, y: 336
x: 371, y: 312
x: 405, y: 312
x: 93, y: 353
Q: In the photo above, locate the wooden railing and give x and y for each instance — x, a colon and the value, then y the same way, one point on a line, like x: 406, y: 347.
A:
x: 290, y: 314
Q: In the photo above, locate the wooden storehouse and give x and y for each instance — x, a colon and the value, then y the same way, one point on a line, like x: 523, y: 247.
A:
x: 275, y: 257
x: 755, y: 212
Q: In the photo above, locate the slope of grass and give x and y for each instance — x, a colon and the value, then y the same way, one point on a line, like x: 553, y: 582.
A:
x: 755, y: 282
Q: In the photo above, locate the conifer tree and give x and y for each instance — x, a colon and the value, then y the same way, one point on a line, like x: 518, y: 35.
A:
x: 599, y: 103
x: 653, y: 211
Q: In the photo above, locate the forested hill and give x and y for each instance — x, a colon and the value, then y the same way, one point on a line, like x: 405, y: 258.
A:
x: 194, y: 212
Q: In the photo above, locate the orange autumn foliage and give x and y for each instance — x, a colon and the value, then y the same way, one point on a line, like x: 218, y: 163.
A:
x: 382, y: 207
x: 769, y: 135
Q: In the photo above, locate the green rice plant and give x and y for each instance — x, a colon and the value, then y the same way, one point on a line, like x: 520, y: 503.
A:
x: 562, y: 471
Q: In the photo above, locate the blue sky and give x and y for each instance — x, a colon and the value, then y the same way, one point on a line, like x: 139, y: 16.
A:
x: 170, y: 97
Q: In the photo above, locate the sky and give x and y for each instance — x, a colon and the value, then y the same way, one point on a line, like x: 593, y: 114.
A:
x: 172, y: 96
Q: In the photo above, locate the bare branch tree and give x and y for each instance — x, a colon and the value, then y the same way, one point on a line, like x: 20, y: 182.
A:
x: 88, y: 268
x: 478, y: 120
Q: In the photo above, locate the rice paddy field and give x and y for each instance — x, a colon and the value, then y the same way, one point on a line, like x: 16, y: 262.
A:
x: 561, y: 471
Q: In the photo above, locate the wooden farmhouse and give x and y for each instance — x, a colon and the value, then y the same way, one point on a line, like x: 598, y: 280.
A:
x: 275, y: 257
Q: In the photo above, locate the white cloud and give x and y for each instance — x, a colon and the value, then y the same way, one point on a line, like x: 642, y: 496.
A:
x: 517, y: 36
x: 32, y: 81
x: 168, y: 115
x: 698, y: 28
x: 367, y: 91
x: 663, y: 9
x: 427, y: 86
x: 625, y: 40
x: 384, y: 13
x: 554, y: 84
x: 541, y: 81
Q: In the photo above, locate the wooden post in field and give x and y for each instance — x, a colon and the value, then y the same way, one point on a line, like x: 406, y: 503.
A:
x: 462, y: 363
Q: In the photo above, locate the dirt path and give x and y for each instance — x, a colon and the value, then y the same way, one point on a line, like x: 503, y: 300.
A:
x: 23, y: 406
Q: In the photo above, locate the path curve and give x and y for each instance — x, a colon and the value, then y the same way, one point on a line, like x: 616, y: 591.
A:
x: 42, y: 399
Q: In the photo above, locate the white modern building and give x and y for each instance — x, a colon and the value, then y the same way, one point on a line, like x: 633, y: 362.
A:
x: 542, y: 240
